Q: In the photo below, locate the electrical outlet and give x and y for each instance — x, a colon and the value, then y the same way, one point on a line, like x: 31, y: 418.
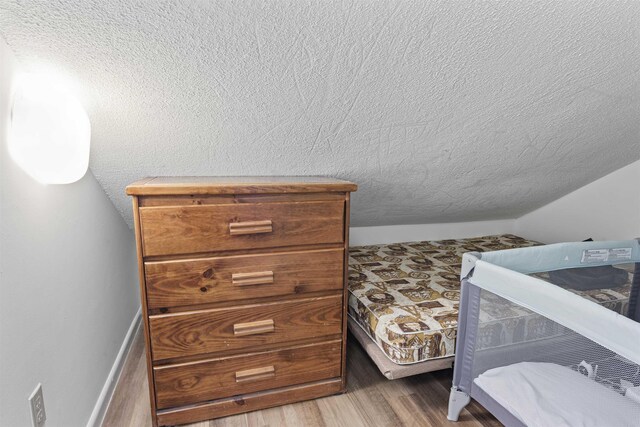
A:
x: 36, y: 403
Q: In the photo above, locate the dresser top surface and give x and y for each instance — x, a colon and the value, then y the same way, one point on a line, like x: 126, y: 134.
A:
x: 181, y: 185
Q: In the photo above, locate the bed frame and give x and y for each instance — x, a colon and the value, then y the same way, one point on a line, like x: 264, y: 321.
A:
x: 392, y: 370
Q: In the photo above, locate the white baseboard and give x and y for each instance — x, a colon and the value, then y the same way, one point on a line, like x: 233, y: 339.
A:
x: 100, y: 409
x: 415, y: 232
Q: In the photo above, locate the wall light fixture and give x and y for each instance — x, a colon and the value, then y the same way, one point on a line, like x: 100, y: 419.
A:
x: 50, y: 133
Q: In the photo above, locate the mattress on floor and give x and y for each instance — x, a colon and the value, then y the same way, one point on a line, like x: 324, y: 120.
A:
x: 405, y: 297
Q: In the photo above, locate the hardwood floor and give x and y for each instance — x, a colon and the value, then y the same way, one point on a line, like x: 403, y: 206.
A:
x: 371, y: 400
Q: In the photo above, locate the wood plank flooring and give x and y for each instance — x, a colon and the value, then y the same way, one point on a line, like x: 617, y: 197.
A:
x: 371, y: 400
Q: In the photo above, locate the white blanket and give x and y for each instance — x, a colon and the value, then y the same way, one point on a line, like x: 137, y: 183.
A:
x: 546, y: 394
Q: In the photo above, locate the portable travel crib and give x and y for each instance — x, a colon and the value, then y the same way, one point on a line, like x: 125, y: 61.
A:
x: 573, y: 362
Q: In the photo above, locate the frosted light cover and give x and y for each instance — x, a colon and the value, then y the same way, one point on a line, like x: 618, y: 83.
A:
x: 50, y: 133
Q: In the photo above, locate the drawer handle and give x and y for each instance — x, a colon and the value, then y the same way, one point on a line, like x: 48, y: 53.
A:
x: 253, y: 328
x: 247, y: 279
x: 250, y: 227
x: 256, y: 374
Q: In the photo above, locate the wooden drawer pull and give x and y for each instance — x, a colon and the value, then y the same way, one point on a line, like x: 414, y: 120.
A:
x: 247, y: 279
x: 253, y: 328
x: 250, y: 227
x: 256, y: 374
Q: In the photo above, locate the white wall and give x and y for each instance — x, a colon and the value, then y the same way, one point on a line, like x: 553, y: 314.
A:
x: 68, y: 287
x: 409, y: 233
x: 606, y: 209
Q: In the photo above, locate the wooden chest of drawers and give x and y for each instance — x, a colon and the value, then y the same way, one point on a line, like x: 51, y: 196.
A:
x: 243, y: 289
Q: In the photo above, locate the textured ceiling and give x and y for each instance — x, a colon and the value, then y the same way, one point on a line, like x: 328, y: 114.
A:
x: 440, y: 111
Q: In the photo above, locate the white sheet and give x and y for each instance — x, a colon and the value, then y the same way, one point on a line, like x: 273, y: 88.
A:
x: 546, y: 394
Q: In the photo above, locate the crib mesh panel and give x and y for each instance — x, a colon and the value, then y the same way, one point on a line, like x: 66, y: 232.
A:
x: 504, y: 323
x: 508, y: 333
x: 609, y: 286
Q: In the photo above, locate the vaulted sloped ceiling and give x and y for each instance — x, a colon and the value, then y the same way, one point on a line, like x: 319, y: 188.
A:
x: 440, y: 111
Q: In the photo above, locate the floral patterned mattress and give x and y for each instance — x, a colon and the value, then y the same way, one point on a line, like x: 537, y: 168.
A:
x: 405, y: 296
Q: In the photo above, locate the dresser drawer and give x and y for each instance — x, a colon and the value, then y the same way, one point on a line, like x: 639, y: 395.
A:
x: 217, y: 378
x: 192, y: 229
x: 245, y: 327
x: 232, y: 278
